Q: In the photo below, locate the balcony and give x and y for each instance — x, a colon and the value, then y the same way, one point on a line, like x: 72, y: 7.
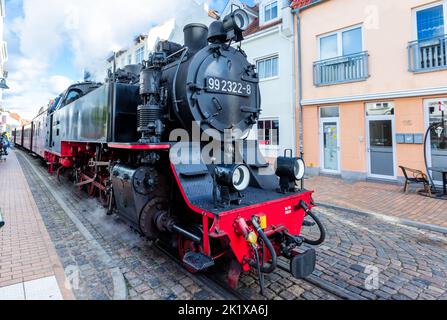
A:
x: 428, y: 55
x: 345, y: 69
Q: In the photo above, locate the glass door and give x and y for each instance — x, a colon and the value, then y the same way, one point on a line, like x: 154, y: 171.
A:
x: 330, y: 146
x: 330, y: 140
x: 380, y: 139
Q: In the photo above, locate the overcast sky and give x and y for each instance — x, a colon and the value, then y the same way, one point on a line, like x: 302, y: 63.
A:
x: 51, y: 42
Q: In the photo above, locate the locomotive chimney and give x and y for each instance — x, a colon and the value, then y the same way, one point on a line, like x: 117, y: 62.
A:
x: 196, y: 37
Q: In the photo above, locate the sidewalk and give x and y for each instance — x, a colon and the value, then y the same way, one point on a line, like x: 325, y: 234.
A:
x: 29, y: 266
x: 385, y: 199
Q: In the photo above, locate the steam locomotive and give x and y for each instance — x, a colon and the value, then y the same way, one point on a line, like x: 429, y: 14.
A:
x: 163, y: 145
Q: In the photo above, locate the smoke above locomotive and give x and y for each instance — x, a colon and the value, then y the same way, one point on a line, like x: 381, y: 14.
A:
x: 164, y: 146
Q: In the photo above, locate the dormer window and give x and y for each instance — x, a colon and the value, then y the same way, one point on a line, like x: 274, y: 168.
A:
x: 139, y: 55
x: 270, y: 12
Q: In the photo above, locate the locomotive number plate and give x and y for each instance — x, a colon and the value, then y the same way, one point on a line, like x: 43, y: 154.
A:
x: 223, y: 86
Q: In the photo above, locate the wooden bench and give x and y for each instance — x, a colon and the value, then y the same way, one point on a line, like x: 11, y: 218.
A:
x: 413, y: 176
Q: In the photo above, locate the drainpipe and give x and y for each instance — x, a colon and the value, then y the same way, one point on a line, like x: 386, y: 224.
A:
x: 298, y: 75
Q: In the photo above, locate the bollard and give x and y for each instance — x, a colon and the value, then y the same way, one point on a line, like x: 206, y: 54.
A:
x: 2, y: 222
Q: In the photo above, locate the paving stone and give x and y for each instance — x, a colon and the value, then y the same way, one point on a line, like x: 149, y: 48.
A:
x: 287, y: 295
x: 411, y: 264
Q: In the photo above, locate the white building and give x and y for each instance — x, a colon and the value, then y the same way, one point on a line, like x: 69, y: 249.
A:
x: 3, y: 47
x: 9, y: 121
x: 192, y: 11
x: 269, y: 45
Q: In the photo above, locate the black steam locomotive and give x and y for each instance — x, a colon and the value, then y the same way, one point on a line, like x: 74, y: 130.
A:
x: 163, y: 145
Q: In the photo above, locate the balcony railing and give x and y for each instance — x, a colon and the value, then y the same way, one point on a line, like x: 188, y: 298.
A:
x: 343, y: 69
x: 428, y: 55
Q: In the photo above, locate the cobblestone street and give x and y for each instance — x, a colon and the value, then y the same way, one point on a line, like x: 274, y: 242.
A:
x: 147, y: 273
x: 363, y: 257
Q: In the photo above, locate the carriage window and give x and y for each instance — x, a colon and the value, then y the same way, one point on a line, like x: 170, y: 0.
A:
x: 268, y: 132
x: 72, y: 96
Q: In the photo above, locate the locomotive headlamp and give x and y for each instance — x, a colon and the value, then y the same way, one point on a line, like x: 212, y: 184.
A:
x: 238, y: 20
x: 235, y: 24
x: 290, y: 170
x: 236, y: 177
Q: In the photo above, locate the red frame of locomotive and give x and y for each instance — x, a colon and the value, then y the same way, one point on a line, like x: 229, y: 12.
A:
x: 282, y: 214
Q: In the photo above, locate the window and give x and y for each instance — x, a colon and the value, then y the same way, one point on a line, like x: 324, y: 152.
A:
x: 342, y: 43
x: 271, y: 11
x: 268, y: 68
x: 72, y: 96
x: 380, y: 109
x: 330, y: 112
x: 268, y: 132
x: 430, y: 22
x: 139, y: 55
x: 437, y: 138
x: 129, y: 59
x: 328, y: 47
x: 352, y: 41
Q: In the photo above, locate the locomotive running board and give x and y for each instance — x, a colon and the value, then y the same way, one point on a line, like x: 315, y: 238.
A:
x: 198, y: 261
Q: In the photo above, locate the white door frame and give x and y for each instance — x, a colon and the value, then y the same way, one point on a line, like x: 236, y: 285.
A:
x: 368, y: 146
x: 426, y: 125
x: 322, y: 122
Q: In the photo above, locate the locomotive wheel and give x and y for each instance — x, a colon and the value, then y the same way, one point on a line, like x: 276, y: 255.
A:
x: 184, y: 246
x: 147, y: 225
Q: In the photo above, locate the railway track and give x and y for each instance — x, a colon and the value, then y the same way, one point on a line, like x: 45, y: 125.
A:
x: 326, y: 286
x: 218, y: 286
x: 207, y: 280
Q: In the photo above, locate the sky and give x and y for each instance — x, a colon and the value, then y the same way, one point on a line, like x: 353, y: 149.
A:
x: 52, y: 42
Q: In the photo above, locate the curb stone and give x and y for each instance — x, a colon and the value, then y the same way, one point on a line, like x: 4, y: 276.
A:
x: 405, y: 222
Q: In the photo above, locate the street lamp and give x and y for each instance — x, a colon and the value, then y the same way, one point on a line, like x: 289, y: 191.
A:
x: 3, y: 85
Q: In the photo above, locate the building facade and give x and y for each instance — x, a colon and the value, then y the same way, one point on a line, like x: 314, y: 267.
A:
x: 373, y: 79
x: 9, y: 121
x: 269, y: 45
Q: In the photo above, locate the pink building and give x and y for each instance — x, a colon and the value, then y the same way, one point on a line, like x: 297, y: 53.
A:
x: 373, y: 76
